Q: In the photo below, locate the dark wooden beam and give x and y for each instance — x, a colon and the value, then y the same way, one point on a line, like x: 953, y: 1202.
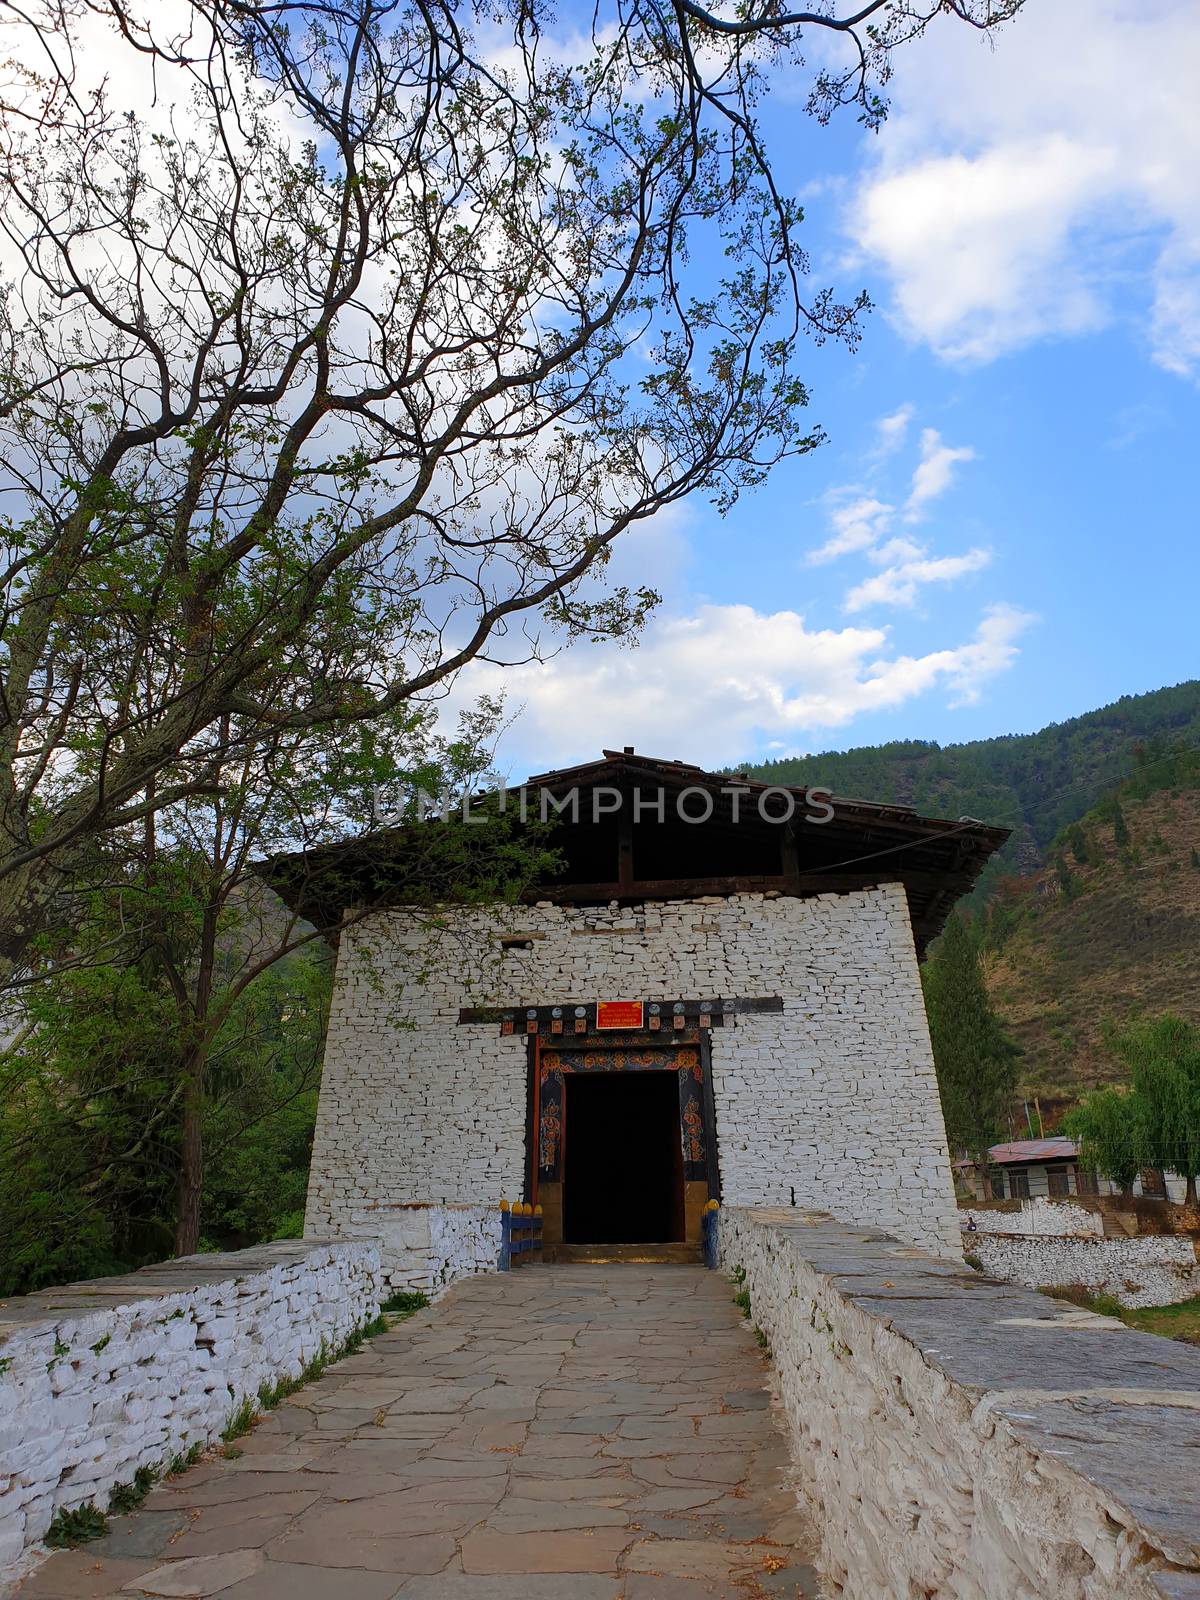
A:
x: 804, y: 884
x: 710, y: 1118
x: 625, y: 850
x: 715, y: 1007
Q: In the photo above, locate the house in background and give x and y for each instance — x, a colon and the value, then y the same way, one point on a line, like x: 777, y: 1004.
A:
x: 1023, y: 1169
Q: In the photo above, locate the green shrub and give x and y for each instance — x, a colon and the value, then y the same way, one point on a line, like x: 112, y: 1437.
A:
x: 185, y: 1459
x: 405, y: 1304
x: 126, y: 1497
x: 241, y: 1420
x: 70, y: 1528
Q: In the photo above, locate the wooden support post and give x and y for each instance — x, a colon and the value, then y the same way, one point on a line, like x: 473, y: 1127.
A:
x: 625, y: 851
x: 535, y: 1060
x: 712, y: 1163
x: 789, y: 854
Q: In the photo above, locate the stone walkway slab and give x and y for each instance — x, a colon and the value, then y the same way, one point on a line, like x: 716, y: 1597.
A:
x: 560, y: 1433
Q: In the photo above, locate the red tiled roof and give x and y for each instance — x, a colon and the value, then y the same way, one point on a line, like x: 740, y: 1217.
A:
x: 1057, y: 1149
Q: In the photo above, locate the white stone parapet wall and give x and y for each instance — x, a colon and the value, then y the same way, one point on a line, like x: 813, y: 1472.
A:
x: 1148, y: 1271
x: 834, y: 1099
x: 965, y: 1440
x: 426, y: 1248
x: 1040, y: 1217
x: 98, y: 1379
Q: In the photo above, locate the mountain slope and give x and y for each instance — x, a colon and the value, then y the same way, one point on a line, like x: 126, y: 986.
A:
x: 1037, y: 783
x: 1105, y: 932
x: 1091, y: 913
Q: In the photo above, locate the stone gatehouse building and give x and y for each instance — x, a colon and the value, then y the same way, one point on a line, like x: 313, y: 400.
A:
x: 712, y: 998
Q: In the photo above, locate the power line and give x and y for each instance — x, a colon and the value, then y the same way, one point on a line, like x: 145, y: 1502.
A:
x: 966, y: 824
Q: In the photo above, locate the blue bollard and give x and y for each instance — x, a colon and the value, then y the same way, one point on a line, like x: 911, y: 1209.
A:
x: 505, y: 1260
x: 708, y: 1238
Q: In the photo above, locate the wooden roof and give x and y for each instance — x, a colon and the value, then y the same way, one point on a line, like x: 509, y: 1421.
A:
x: 863, y: 843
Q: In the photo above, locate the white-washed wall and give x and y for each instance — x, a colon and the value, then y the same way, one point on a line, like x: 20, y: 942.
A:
x: 142, y: 1368
x: 961, y: 1440
x: 834, y: 1099
x: 1040, y: 1217
x: 428, y: 1247
x: 1147, y: 1271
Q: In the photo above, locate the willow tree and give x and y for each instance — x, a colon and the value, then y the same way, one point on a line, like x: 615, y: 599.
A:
x: 322, y: 310
x: 1163, y: 1058
x: 1108, y: 1128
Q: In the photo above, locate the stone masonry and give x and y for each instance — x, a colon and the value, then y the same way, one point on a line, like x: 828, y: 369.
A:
x: 429, y: 1247
x: 1041, y: 1218
x: 98, y: 1379
x: 833, y: 1102
x: 560, y: 1433
x: 1147, y: 1271
x: 962, y: 1439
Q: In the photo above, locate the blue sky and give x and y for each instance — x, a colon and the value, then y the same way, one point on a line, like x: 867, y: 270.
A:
x: 1011, y: 462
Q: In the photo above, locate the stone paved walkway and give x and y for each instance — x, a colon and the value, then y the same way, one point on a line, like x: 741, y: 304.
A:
x: 563, y: 1433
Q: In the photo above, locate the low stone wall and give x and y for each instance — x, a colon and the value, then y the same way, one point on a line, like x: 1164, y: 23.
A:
x: 962, y: 1439
x: 98, y: 1379
x: 1040, y: 1217
x: 428, y: 1247
x: 1145, y: 1271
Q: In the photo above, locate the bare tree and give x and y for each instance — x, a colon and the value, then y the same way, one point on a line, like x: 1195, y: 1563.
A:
x: 378, y: 309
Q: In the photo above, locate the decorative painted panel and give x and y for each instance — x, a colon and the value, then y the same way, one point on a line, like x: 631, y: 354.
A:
x: 684, y: 1061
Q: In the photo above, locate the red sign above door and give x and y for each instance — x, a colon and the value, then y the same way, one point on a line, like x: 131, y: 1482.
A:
x: 620, y: 1014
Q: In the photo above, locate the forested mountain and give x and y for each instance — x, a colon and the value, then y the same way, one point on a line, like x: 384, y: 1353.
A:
x: 1036, y: 783
x: 1091, y: 913
x: 1107, y: 930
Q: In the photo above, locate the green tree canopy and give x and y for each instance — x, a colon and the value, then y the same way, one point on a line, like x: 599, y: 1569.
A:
x: 975, y: 1059
x: 1163, y: 1057
x: 1107, y: 1128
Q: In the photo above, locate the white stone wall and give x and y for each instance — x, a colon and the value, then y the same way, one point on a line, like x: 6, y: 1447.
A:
x: 130, y: 1380
x: 428, y: 1247
x: 1040, y: 1217
x: 1147, y: 1271
x: 950, y: 1461
x: 834, y: 1100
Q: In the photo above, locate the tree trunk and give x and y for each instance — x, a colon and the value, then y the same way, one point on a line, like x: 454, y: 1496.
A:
x: 1189, y: 1198
x: 985, y: 1177
x: 191, y: 1157
x: 26, y: 896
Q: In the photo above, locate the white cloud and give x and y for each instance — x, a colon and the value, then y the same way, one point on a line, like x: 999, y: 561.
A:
x: 857, y: 525
x: 710, y: 686
x: 933, y: 474
x: 898, y: 585
x: 1026, y: 190
x: 863, y: 524
x: 891, y: 431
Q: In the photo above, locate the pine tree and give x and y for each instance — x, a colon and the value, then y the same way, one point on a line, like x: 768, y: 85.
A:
x: 1120, y: 827
x: 1078, y: 840
x: 975, y: 1059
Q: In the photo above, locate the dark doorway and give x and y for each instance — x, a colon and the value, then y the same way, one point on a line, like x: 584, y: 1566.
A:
x: 622, y: 1158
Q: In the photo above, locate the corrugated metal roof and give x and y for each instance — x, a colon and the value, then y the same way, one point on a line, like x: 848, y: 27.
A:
x: 1057, y: 1149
